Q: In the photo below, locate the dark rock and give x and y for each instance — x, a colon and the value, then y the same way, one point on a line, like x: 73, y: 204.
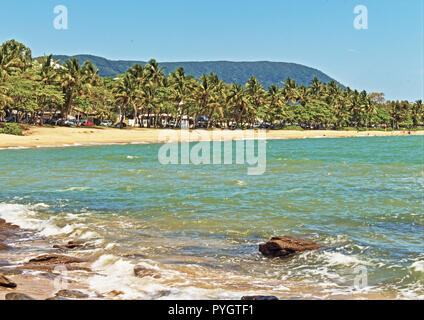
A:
x: 55, y: 259
x: 115, y: 293
x: 71, y: 294
x: 69, y: 245
x: 142, y: 272
x: 5, y: 282
x: 7, y: 230
x: 259, y: 298
x: 282, y: 246
x: 10, y: 271
x: 57, y: 298
x: 4, y: 262
x: 51, y: 267
x: 18, y: 296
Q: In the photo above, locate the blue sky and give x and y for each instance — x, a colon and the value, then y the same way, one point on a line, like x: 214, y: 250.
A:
x: 387, y: 57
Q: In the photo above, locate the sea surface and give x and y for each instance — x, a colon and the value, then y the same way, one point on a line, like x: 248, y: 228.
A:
x: 199, y: 226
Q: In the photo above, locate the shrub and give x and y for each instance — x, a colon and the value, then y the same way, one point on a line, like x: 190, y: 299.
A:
x: 12, y: 128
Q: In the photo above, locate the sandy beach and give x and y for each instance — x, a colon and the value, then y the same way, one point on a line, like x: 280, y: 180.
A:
x: 64, y: 136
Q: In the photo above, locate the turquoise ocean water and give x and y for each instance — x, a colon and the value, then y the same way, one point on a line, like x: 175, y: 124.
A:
x: 199, y: 226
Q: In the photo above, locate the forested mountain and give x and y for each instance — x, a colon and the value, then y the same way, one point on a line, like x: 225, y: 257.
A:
x: 266, y: 72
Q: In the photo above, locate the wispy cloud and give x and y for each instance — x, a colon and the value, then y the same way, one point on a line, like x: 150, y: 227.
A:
x: 352, y: 50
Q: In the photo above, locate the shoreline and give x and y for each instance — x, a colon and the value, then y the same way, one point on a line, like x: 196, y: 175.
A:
x: 59, y: 137
x: 35, y: 276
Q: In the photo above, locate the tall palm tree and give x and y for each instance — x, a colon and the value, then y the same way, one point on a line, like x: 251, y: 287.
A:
x: 275, y: 101
x: 48, y: 70
x: 417, y: 113
x: 239, y: 103
x: 256, y: 95
x: 73, y: 79
x: 14, y: 58
x: 181, y: 88
x: 124, y: 91
x: 289, y: 90
x: 204, y: 97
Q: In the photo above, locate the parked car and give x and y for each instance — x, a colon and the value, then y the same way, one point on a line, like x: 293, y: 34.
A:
x: 265, y: 126
x: 85, y: 123
x: 10, y: 119
x: 106, y: 123
x: 124, y: 125
x: 70, y: 123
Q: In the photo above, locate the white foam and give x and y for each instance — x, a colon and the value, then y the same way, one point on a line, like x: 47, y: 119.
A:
x: 25, y: 217
x: 20, y: 215
x: 337, y: 258
x: 418, y: 266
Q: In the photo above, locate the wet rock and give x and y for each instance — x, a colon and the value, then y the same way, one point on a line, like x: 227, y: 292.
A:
x: 55, y: 259
x: 3, y: 246
x: 4, y: 262
x: 18, y: 296
x: 259, y: 298
x: 282, y: 246
x: 57, y: 298
x: 115, y: 293
x: 142, y: 272
x: 10, y: 271
x: 7, y: 230
x: 69, y: 245
x: 52, y: 267
x: 71, y: 294
x: 4, y: 226
x: 6, y: 283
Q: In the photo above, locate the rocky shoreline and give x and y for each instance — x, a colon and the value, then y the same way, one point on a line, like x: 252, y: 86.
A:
x: 61, y: 271
x: 39, y: 277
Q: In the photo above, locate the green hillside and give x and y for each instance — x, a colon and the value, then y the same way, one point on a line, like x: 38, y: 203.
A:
x: 267, y: 72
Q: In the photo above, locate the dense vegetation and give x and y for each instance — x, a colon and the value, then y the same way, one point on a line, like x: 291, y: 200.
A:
x: 30, y: 89
x: 266, y: 72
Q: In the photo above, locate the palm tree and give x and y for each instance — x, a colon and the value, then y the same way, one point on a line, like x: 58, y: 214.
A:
x: 72, y: 78
x: 289, y: 91
x: 275, y: 101
x: 124, y: 91
x: 155, y: 73
x: 204, y: 97
x: 256, y: 95
x: 14, y: 58
x: 417, y: 112
x: 239, y: 103
x: 181, y: 88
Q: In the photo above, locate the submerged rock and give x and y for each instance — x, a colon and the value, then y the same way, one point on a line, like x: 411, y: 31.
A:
x: 282, y: 246
x: 18, y: 296
x: 259, y: 298
x: 6, y: 283
x: 142, y: 272
x: 71, y: 294
x: 55, y: 259
x: 69, y: 245
x: 52, y: 267
x: 10, y: 271
x: 57, y: 298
